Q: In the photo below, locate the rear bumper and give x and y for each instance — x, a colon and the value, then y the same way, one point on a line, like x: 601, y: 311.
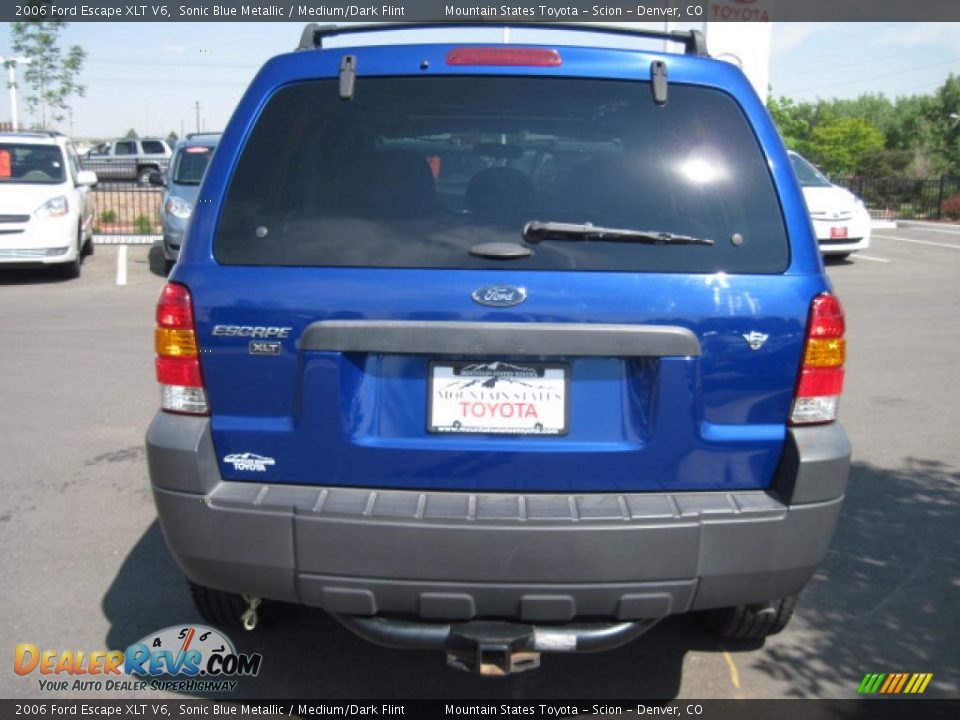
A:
x: 858, y: 235
x: 457, y: 556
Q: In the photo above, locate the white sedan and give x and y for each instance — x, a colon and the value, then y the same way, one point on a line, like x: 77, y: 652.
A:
x: 840, y: 219
x: 46, y: 213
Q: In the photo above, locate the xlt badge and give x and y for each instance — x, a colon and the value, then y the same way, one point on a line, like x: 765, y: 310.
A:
x: 260, y: 347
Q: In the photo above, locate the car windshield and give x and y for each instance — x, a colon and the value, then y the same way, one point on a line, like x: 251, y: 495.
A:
x: 26, y: 164
x: 419, y: 172
x: 807, y: 174
x: 190, y: 164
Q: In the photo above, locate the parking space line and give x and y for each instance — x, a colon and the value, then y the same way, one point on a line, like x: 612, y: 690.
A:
x: 918, y: 242
x: 861, y: 256
x: 122, y: 265
x: 732, y: 667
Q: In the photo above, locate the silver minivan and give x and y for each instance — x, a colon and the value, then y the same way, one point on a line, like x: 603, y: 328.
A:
x: 182, y: 180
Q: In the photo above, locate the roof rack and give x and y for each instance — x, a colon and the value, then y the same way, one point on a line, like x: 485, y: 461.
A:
x: 692, y: 40
x: 189, y: 136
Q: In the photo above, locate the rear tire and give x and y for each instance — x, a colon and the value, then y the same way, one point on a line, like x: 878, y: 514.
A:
x: 224, y: 609
x: 143, y: 175
x: 751, y: 622
x: 88, y: 247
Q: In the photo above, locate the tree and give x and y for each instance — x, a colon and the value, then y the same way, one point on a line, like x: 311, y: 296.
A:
x: 52, y: 76
x: 172, y: 137
x: 131, y: 134
x: 792, y: 120
x: 943, y: 116
x: 841, y: 145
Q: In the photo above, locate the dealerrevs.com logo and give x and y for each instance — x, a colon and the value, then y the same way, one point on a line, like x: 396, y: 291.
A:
x: 181, y: 658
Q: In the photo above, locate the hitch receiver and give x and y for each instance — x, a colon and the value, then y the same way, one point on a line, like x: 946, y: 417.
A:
x: 494, y: 648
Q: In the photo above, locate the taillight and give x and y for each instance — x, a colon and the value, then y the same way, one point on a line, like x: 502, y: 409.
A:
x: 504, y: 56
x: 821, y: 374
x: 178, y: 361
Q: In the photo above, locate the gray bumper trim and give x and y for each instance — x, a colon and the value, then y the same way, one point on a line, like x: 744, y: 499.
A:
x: 499, y: 338
x: 454, y: 556
x: 815, y: 464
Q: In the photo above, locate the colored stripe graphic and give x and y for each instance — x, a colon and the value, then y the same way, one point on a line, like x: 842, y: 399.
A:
x: 871, y: 682
x: 894, y: 683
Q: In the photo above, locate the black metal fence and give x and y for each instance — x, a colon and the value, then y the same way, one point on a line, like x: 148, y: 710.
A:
x: 125, y: 204
x: 900, y: 198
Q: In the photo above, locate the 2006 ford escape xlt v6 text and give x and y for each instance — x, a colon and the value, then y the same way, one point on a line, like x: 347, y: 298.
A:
x: 500, y: 350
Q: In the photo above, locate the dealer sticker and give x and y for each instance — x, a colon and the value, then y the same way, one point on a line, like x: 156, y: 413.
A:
x: 498, y: 397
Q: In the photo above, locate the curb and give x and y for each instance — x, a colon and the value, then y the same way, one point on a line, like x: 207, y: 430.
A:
x: 126, y: 239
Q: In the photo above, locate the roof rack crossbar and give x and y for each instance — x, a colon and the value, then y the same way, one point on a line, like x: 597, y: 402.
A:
x: 692, y: 40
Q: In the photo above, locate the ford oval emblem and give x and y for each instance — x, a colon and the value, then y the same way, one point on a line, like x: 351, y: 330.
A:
x: 499, y: 295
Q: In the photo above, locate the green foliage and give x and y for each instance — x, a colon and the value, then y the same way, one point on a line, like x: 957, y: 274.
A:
x: 792, y: 120
x: 943, y: 116
x: 52, y: 75
x: 108, y: 216
x: 886, y: 163
x: 143, y: 225
x: 839, y: 145
x: 131, y: 134
x: 172, y: 137
x: 872, y: 135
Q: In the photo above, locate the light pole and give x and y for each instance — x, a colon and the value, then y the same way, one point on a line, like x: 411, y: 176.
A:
x: 11, y: 63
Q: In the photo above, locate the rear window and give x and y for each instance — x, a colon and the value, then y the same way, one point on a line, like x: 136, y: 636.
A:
x: 26, y: 164
x: 807, y: 174
x: 190, y: 164
x: 153, y: 147
x: 414, y: 172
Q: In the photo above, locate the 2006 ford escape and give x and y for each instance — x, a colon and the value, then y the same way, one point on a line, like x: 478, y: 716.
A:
x: 500, y: 350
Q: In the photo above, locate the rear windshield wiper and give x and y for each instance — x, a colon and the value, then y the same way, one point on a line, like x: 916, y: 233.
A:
x: 536, y: 231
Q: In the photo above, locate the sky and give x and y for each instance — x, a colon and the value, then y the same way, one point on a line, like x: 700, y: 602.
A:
x: 148, y: 76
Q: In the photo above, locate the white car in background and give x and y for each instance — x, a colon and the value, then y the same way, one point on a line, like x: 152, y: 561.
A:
x: 46, y: 212
x: 840, y: 219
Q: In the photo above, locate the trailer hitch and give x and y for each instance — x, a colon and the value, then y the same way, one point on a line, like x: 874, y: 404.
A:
x: 490, y: 647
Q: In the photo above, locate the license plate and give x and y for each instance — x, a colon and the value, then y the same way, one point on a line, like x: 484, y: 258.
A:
x: 838, y: 233
x: 504, y: 398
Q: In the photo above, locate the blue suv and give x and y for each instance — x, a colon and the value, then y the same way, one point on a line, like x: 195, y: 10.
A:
x: 500, y: 350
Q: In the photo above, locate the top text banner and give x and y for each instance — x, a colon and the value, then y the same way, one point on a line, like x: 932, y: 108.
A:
x: 662, y: 11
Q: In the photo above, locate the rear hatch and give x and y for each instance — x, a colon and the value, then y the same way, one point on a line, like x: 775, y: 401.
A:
x: 377, y: 316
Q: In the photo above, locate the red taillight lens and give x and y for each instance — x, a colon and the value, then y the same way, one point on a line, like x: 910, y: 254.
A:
x: 826, y: 317
x: 175, y: 308
x: 815, y: 382
x: 504, y: 56
x: 179, y: 371
x: 821, y: 375
x: 178, y: 364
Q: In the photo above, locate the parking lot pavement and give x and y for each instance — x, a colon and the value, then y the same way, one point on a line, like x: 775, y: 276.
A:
x: 85, y: 567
